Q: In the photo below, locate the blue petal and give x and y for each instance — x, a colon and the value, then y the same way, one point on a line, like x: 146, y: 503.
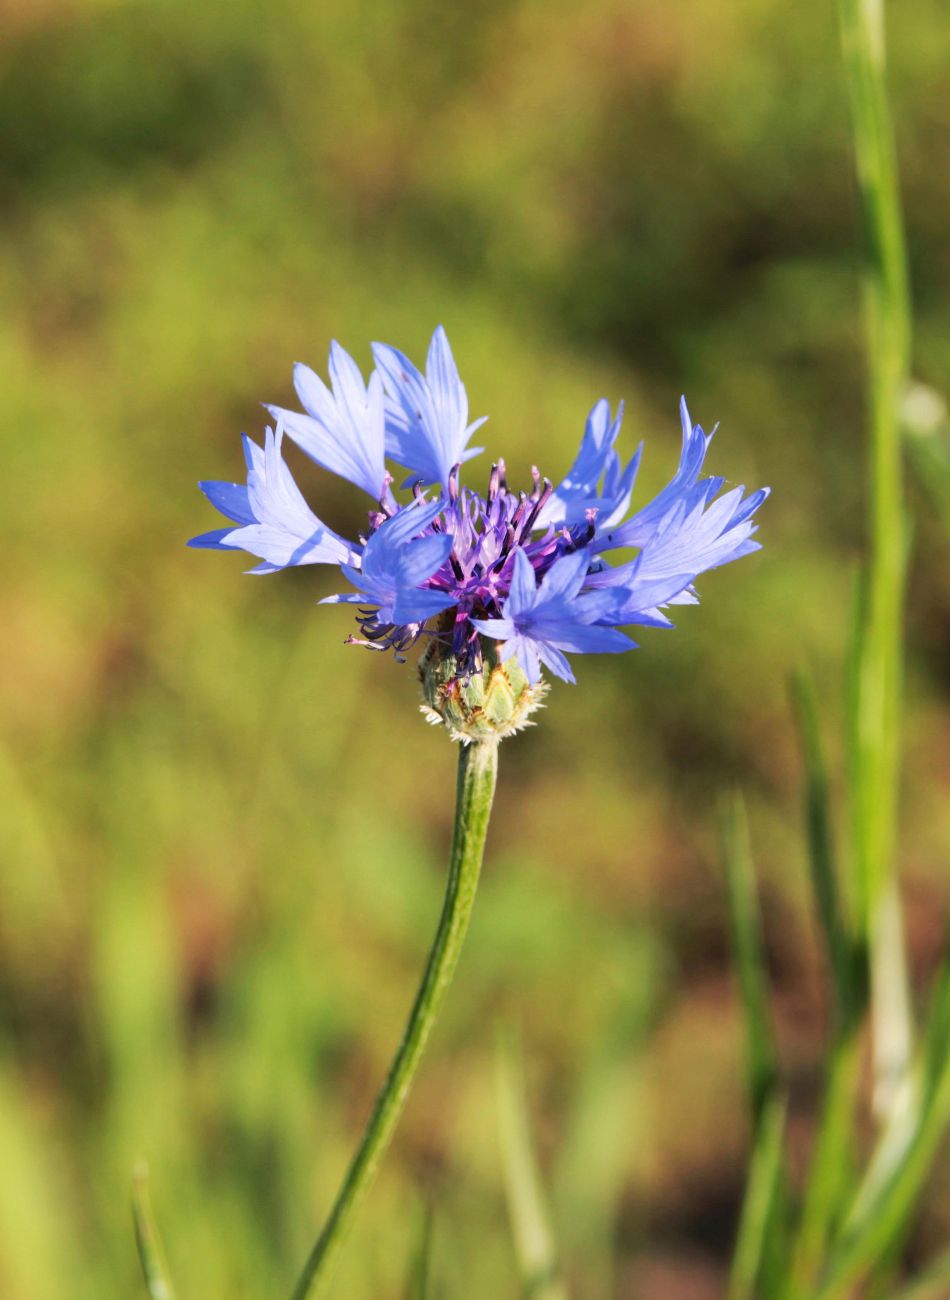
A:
x: 584, y: 638
x: 579, y: 492
x: 213, y: 541
x: 565, y: 577
x: 394, y: 566
x: 343, y: 430
x: 406, y: 523
x: 522, y: 592
x: 639, y: 528
x: 426, y: 416
x: 695, y: 535
x: 600, y: 434
x: 344, y: 598
x: 448, y: 392
x: 749, y: 506
x: 527, y: 655
x: 540, y: 623
x: 418, y: 560
x: 417, y: 606
x: 230, y: 499
x: 496, y: 629
x: 553, y: 659
x: 277, y: 525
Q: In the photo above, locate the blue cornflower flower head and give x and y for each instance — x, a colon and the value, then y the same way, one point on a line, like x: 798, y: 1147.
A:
x: 500, y: 585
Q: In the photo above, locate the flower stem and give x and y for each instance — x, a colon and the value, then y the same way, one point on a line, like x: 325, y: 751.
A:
x: 477, y: 767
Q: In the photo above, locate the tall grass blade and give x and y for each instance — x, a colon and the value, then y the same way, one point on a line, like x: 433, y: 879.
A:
x: 149, y: 1243
x: 831, y: 1171
x: 761, y: 1055
x: 761, y: 1205
x: 888, y: 343
x: 839, y: 946
x: 878, y: 1221
x: 876, y: 717
x: 832, y: 1161
x: 533, y: 1236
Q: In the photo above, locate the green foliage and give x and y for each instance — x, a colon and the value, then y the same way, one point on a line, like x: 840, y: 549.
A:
x: 216, y: 887
x: 753, y: 1260
x: 852, y: 1226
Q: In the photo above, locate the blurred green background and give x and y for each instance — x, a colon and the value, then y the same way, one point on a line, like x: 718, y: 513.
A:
x: 223, y: 832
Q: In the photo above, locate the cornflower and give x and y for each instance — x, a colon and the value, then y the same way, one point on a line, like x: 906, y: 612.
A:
x: 513, y: 577
x: 498, y: 587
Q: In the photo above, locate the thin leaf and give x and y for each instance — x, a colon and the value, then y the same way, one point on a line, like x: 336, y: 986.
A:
x: 149, y: 1243
x: 762, y: 1058
x: 762, y: 1198
x: 530, y: 1223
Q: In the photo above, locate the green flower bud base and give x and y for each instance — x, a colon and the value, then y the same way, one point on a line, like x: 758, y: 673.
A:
x: 487, y: 705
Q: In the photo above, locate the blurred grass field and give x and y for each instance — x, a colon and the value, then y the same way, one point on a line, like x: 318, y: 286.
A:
x: 222, y: 831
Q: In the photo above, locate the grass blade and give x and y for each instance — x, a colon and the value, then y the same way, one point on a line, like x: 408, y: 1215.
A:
x: 753, y: 1267
x: 839, y: 945
x: 832, y: 1161
x: 873, y: 1236
x: 831, y: 1171
x: 149, y: 1243
x: 875, y: 1227
x: 531, y: 1227
x: 875, y: 723
x: 888, y: 343
x: 760, y: 1206
x: 762, y: 1059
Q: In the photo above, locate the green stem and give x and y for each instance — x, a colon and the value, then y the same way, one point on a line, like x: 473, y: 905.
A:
x: 477, y: 767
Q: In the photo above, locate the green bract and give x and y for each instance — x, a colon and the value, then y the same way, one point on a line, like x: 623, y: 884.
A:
x: 491, y: 703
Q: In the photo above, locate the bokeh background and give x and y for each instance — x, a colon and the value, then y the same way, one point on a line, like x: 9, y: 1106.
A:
x: 223, y: 832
